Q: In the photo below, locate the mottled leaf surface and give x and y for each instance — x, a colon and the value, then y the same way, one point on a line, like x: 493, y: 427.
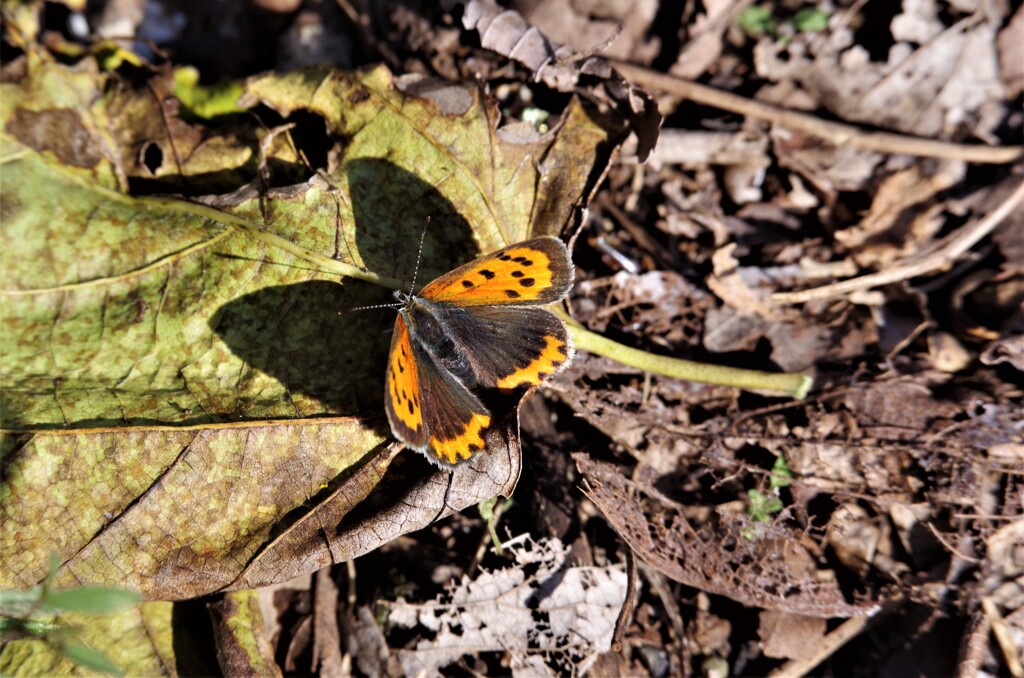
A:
x: 187, y: 408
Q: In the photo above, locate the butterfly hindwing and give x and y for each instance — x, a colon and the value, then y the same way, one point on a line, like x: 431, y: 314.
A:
x: 509, y: 346
x: 537, y: 271
x: 455, y: 419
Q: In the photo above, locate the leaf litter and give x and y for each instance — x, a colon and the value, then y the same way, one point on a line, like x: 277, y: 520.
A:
x: 899, y: 510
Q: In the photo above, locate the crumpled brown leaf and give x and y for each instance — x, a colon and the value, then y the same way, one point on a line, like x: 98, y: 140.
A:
x: 754, y: 564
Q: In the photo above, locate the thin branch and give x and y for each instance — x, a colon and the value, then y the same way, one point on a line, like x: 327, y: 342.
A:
x: 948, y: 252
x: 824, y: 648
x: 837, y: 133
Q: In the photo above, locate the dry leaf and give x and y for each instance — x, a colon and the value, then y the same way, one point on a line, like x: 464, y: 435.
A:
x: 790, y: 636
x: 550, y: 616
x: 752, y: 563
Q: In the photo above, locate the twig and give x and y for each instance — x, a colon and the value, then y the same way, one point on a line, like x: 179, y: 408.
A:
x: 837, y: 133
x: 950, y: 547
x: 946, y: 253
x: 628, y: 603
x: 1010, y: 653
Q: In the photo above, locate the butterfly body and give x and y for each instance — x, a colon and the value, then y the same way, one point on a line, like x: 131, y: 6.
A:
x: 481, y: 327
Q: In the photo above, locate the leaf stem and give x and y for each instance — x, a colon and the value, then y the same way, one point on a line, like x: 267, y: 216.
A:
x: 795, y: 385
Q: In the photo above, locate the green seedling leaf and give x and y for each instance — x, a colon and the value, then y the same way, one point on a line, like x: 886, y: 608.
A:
x: 491, y: 511
x: 141, y: 641
x: 188, y: 405
x: 83, y: 655
x: 91, y: 600
x: 756, y: 20
x: 34, y: 627
x: 780, y: 476
x: 810, y: 20
x: 763, y: 506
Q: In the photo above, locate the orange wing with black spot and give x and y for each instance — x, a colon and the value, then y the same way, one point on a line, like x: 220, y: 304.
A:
x: 536, y: 271
x: 402, y: 398
x: 429, y: 409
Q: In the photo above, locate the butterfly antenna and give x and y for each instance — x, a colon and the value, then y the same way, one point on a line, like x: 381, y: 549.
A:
x: 419, y: 254
x: 369, y: 308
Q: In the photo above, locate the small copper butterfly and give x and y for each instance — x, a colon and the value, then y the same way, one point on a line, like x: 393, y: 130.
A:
x: 478, y: 327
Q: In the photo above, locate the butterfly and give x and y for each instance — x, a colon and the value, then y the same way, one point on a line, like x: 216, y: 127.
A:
x: 478, y: 327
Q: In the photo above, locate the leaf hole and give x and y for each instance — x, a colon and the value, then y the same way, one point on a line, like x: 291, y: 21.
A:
x: 152, y: 157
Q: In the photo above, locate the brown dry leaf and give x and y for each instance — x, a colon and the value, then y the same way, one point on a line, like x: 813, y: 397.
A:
x: 830, y: 169
x: 650, y: 419
x: 861, y: 541
x: 900, y: 222
x: 790, y: 636
x: 508, y: 33
x: 1009, y: 350
x: 949, y: 82
x: 744, y: 289
x: 1004, y: 578
x: 897, y: 410
x: 551, y: 617
x: 752, y: 563
x: 696, y: 148
x: 585, y: 25
x: 1011, y: 54
x: 661, y: 304
x: 365, y: 642
x: 277, y: 604
x: 796, y: 345
x: 911, y: 522
x: 705, y: 39
x: 748, y: 315
x: 327, y: 657
x: 947, y: 354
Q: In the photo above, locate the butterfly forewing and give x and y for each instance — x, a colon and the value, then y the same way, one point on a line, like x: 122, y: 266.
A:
x: 403, y: 401
x: 537, y: 271
x: 429, y: 409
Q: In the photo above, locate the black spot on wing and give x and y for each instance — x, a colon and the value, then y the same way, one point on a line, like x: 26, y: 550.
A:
x: 486, y: 273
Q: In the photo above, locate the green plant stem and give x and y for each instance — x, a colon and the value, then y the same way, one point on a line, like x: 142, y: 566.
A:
x: 795, y: 385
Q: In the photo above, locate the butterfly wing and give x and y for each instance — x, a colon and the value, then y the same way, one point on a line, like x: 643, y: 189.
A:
x: 403, y: 400
x: 429, y: 409
x: 533, y: 272
x: 510, y: 346
x: 484, y: 308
